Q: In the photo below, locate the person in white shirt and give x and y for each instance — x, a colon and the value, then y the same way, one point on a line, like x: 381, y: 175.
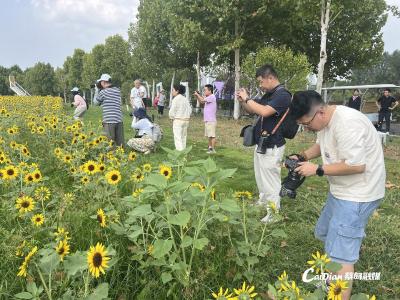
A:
x: 79, y: 103
x: 137, y: 95
x: 180, y: 112
x: 353, y: 163
x: 143, y: 141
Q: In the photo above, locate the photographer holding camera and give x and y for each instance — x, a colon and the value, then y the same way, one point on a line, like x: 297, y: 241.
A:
x: 353, y: 162
x: 270, y: 147
x: 109, y: 97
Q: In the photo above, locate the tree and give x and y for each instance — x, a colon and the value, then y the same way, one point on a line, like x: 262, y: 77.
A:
x: 40, y: 80
x: 292, y: 69
x: 73, y: 67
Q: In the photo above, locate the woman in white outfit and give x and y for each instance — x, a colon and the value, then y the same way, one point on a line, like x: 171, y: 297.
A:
x: 143, y: 141
x: 79, y: 103
x: 180, y: 112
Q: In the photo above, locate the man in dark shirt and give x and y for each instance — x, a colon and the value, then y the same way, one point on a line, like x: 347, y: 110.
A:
x: 269, y: 111
x: 384, y: 104
x: 355, y: 100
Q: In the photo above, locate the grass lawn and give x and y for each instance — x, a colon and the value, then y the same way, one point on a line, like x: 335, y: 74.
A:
x: 381, y: 248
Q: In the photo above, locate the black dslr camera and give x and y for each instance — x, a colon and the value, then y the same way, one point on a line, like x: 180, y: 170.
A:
x: 294, y: 179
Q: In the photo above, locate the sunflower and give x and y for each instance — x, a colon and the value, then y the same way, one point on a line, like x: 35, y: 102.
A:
x: 319, y: 261
x: 199, y: 186
x: 113, y: 177
x: 13, y: 144
x: 72, y: 170
x: 40, y: 129
x: 137, y: 192
x: 38, y: 220
x: 147, y: 168
x: 62, y: 249
x: 62, y: 234
x: 42, y: 193
x: 101, y: 167
x: 245, y: 195
x: 101, y: 217
x: 132, y: 155
x: 97, y: 260
x: 10, y: 172
x: 37, y: 176
x: 91, y: 167
x: 336, y: 290
x: 25, y: 151
x: 23, y: 268
x: 67, y: 158
x: 245, y: 292
x: 291, y: 287
x: 223, y: 295
x: 25, y: 204
x: 166, y: 171
x: 85, y: 180
x: 213, y: 195
x: 57, y: 151
x: 69, y: 198
x: 20, y: 249
x: 28, y: 178
x: 2, y: 158
x: 137, y: 176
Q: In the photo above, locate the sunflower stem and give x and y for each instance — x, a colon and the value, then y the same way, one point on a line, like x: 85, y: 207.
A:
x: 262, y: 236
x: 244, y: 222
x: 48, y: 292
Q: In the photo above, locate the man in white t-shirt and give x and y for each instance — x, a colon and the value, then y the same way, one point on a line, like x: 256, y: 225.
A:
x: 137, y: 95
x: 353, y: 163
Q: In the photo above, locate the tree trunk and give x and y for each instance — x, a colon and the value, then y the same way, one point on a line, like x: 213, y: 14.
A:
x: 170, y: 91
x: 325, y: 14
x: 236, y: 108
x: 198, y: 81
x: 153, y: 91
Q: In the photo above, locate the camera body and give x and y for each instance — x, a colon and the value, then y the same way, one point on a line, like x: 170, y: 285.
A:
x: 294, y: 179
x: 263, y: 143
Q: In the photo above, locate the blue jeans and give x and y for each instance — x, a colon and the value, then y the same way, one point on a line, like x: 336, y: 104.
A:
x: 341, y: 227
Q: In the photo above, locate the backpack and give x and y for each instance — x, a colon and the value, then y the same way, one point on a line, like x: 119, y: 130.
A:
x: 157, y: 133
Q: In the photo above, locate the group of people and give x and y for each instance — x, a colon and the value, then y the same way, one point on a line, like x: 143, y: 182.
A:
x: 347, y: 142
x: 384, y: 104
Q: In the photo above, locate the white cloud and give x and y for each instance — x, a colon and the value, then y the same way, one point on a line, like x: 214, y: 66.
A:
x: 106, y: 13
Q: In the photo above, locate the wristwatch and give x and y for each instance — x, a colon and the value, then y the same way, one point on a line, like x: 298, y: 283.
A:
x: 320, y: 171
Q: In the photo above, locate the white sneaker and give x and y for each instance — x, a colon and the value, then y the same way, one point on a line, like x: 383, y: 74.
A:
x: 269, y: 218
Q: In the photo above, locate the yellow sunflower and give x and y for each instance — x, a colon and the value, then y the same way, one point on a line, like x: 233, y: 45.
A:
x: 25, y: 204
x: 37, y: 175
x: 147, y: 168
x: 132, y: 155
x: 42, y: 193
x: 67, y: 158
x: 62, y: 249
x: 246, y: 292
x: 85, y: 180
x: 101, y: 217
x: 61, y: 234
x: 28, y: 178
x: 90, y: 167
x: 245, y: 195
x: 23, y: 269
x: 113, y: 177
x: 319, y: 262
x: 97, y: 260
x: 137, y: 176
x: 336, y: 289
x: 57, y: 151
x: 10, y: 172
x: 137, y: 192
x: 101, y: 167
x: 213, y: 194
x: 166, y: 171
x: 38, y: 220
x: 223, y: 295
x: 199, y: 186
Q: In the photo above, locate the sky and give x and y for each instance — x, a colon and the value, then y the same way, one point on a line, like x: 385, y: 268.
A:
x: 50, y: 30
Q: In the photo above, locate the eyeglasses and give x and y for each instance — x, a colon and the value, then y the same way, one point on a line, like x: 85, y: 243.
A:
x: 309, y: 122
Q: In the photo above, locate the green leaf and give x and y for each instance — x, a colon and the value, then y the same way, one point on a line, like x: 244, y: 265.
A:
x: 166, y: 277
x: 193, y: 171
x: 252, y: 260
x: 140, y: 211
x: 200, y: 243
x: 181, y: 219
x: 49, y: 263
x: 223, y: 174
x: 149, y: 189
x: 157, y: 180
x: 333, y: 266
x: 359, y: 297
x: 161, y: 248
x: 100, y: 293
x: 210, y: 166
x: 134, y: 235
x: 75, y: 263
x: 230, y: 205
x: 24, y: 295
x: 118, y: 229
x: 31, y: 288
x: 178, y: 186
x: 186, y: 241
x: 279, y: 233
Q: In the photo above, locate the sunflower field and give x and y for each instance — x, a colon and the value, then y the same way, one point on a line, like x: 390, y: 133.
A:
x: 83, y: 219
